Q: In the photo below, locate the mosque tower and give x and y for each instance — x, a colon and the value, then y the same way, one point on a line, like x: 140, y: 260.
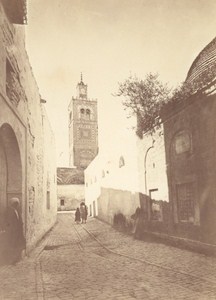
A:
x: 83, y: 128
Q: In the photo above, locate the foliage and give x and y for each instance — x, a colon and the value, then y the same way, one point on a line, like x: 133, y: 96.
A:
x: 182, y: 92
x: 144, y: 98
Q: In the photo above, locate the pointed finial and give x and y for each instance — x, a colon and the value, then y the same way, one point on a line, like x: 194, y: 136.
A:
x: 81, y: 77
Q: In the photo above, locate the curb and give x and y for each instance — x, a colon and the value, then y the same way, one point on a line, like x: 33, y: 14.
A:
x: 193, y: 245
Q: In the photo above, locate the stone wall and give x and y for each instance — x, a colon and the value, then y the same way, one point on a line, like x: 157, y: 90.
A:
x: 112, y: 202
x: 190, y: 135
x: 23, y: 120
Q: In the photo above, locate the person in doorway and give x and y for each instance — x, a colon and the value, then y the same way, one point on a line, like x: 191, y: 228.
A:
x: 77, y: 216
x: 14, y: 232
x: 83, y: 212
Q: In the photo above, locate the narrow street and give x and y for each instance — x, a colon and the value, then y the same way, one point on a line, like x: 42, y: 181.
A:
x: 93, y: 261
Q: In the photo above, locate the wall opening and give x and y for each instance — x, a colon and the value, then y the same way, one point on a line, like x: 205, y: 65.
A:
x: 48, y: 199
x: 10, y: 169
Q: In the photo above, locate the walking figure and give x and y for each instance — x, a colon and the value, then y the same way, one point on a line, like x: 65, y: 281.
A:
x: 83, y: 212
x: 77, y: 216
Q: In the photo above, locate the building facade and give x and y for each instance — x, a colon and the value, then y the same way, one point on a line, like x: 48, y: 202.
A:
x: 27, y: 145
x: 83, y: 128
x: 190, y: 141
x: 117, y: 183
x: 70, y: 188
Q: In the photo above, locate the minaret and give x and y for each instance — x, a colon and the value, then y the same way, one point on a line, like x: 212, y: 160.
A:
x: 83, y: 128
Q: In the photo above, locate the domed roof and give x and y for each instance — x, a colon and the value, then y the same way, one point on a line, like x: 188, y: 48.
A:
x: 203, y: 70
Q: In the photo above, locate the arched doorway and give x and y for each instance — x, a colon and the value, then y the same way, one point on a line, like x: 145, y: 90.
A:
x: 10, y: 168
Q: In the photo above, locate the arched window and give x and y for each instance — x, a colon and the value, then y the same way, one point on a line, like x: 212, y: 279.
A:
x: 82, y: 113
x: 88, y: 114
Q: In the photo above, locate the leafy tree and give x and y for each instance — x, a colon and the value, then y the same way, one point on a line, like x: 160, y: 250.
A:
x: 144, y: 98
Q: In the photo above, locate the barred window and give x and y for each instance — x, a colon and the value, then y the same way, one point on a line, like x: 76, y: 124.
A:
x: 185, y: 201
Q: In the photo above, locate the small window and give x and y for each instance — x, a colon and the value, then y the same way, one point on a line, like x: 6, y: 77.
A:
x: 121, y: 162
x: 62, y: 202
x: 88, y: 114
x: 48, y: 199
x: 182, y: 142
x: 82, y: 113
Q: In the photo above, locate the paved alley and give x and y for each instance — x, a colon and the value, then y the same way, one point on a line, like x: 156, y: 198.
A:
x: 93, y: 261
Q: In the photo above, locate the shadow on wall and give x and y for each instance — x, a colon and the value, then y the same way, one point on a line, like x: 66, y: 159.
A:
x: 120, y: 222
x: 151, y: 215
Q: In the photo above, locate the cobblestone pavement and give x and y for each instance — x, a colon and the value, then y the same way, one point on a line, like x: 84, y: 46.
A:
x: 70, y: 264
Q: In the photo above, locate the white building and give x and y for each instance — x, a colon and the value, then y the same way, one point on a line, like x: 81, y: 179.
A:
x: 117, y: 182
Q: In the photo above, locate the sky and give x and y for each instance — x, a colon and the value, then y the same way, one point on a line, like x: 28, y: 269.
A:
x: 109, y: 40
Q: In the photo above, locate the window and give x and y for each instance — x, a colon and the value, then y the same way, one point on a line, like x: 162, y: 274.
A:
x: 88, y: 114
x: 185, y: 202
x: 82, y: 113
x: 121, y: 162
x: 182, y: 142
x: 62, y: 202
x: 48, y: 199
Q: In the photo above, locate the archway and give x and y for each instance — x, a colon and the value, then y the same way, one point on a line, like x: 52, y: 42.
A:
x: 10, y: 168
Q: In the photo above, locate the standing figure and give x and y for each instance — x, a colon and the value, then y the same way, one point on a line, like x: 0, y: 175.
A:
x: 15, y: 241
x: 77, y: 215
x: 83, y: 212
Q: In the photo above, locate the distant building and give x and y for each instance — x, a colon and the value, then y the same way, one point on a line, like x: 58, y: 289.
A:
x: 27, y: 144
x: 83, y: 147
x: 83, y: 128
x: 70, y: 188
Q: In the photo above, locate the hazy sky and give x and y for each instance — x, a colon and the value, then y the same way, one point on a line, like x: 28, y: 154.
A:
x: 107, y: 40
